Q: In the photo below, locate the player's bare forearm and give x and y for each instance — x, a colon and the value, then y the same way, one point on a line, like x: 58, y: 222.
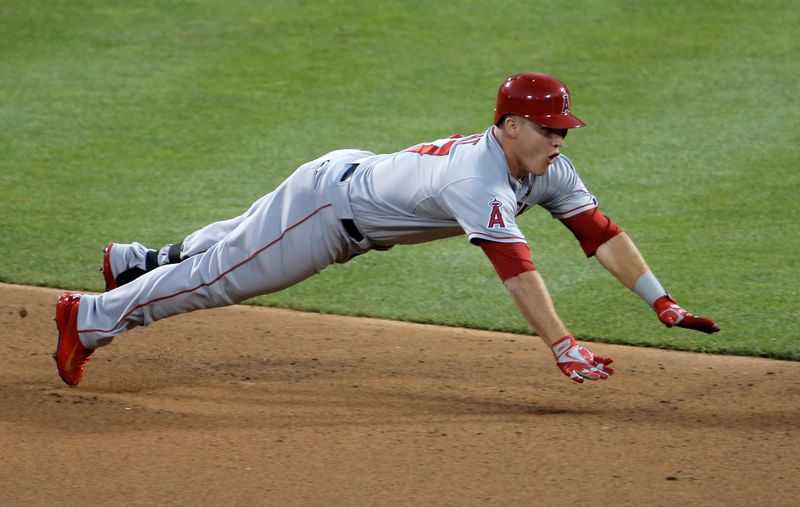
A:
x: 531, y: 296
x: 622, y: 258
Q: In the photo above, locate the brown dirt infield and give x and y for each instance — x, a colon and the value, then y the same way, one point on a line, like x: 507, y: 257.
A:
x: 256, y: 406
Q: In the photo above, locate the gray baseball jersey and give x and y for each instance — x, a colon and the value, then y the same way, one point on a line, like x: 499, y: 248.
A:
x: 429, y: 191
x: 454, y: 186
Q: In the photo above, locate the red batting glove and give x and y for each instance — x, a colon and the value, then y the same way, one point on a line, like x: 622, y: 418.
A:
x: 673, y: 315
x: 578, y: 363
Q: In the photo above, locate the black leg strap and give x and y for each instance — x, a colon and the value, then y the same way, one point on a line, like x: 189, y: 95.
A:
x: 174, y: 253
x: 151, y: 260
x: 129, y: 275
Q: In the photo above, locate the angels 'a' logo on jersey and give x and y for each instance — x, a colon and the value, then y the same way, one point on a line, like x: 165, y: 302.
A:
x: 496, y: 216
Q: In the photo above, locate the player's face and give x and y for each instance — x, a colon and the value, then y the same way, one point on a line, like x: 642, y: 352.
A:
x: 537, y: 147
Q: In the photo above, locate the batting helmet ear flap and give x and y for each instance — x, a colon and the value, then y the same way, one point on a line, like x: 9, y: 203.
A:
x: 538, y: 97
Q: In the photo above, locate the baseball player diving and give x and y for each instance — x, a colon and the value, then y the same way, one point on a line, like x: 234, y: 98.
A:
x: 348, y: 202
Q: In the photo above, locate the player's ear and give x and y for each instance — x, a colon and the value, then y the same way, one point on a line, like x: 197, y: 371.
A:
x: 510, y: 124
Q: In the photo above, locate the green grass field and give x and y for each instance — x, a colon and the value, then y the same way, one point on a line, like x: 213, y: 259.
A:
x: 145, y: 120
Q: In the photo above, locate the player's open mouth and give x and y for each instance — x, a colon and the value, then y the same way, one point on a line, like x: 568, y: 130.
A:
x: 552, y: 158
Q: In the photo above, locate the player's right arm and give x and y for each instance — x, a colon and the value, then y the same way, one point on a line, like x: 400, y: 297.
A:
x: 485, y: 209
x: 529, y: 292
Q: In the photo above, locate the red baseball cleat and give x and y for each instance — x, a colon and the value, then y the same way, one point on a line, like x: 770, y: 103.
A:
x: 111, y: 282
x: 70, y: 355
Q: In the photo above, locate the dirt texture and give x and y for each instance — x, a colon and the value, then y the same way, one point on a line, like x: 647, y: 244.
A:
x: 256, y: 406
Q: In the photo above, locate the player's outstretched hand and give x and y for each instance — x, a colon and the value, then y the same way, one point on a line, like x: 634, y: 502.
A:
x: 671, y: 314
x: 578, y: 363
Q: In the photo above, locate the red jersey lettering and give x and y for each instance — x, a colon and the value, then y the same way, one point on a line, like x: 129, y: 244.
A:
x: 442, y: 147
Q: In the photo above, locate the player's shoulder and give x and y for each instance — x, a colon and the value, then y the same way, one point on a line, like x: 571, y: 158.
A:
x: 480, y: 154
x: 564, y: 163
x: 561, y: 169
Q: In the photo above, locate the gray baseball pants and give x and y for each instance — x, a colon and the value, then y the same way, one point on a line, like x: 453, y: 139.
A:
x: 285, y: 237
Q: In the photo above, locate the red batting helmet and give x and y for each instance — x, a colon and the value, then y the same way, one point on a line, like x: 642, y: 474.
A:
x: 540, y: 98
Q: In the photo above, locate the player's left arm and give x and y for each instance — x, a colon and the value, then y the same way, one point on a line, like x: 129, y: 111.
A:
x: 601, y: 237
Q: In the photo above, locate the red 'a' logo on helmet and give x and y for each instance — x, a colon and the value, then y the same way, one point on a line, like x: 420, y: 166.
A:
x: 565, y: 102
x: 496, y: 218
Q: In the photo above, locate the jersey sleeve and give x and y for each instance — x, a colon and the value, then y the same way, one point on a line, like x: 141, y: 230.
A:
x: 566, y: 195
x: 508, y: 259
x: 591, y: 228
x: 484, y: 210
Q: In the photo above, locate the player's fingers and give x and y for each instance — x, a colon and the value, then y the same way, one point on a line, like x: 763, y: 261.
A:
x: 700, y: 324
x: 576, y: 377
x: 605, y: 368
x: 593, y: 374
x: 604, y: 360
x: 601, y: 363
